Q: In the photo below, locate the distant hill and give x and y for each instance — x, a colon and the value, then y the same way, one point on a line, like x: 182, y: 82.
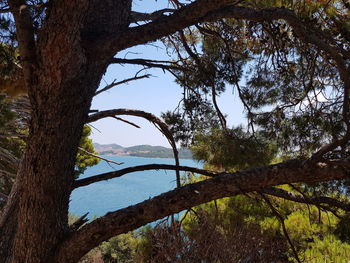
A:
x: 140, y: 151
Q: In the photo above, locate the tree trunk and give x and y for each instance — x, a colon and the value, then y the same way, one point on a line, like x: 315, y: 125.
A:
x: 62, y: 72
x: 39, y: 202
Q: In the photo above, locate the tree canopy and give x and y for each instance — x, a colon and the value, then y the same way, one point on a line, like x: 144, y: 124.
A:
x: 287, y: 61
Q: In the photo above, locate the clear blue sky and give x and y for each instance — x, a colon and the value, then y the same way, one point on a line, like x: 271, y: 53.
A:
x: 156, y: 94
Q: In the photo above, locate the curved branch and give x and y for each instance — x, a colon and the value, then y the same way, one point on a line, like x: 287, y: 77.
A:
x: 224, y: 185
x: 160, y: 125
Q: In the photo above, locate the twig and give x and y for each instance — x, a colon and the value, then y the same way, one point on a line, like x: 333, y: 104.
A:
x: 113, y: 84
x: 148, y: 63
x: 97, y: 156
x: 128, y: 122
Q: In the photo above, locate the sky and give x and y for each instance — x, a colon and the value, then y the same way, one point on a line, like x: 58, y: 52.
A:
x: 156, y: 94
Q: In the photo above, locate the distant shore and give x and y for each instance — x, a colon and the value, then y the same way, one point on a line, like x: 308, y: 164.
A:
x: 147, y: 151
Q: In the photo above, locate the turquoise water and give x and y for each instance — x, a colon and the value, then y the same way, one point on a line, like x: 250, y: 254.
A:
x: 106, y: 196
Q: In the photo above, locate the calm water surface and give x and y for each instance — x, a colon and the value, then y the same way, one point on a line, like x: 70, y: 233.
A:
x: 102, y: 197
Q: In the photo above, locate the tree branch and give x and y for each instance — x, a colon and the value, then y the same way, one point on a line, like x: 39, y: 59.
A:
x: 128, y: 122
x: 114, y: 83
x: 25, y: 37
x: 132, y: 217
x: 331, y: 146
x: 137, y: 16
x: 148, y: 63
x: 313, y: 200
x: 281, y: 219
x: 97, y: 156
x: 119, y: 173
x: 163, y: 26
x: 207, y: 11
x: 5, y: 10
x: 304, y: 31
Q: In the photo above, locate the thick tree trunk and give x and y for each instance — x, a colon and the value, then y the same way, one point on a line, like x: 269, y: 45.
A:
x: 37, y: 219
x: 62, y: 70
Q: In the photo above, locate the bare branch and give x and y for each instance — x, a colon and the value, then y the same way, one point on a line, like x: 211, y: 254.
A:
x: 315, y: 200
x: 97, y: 156
x: 165, y: 65
x: 230, y: 184
x: 128, y: 122
x: 114, y: 83
x: 119, y: 173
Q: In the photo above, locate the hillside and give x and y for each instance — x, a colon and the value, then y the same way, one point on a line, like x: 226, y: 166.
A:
x: 140, y: 151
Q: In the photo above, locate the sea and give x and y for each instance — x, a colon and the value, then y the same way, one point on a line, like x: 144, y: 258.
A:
x: 102, y: 197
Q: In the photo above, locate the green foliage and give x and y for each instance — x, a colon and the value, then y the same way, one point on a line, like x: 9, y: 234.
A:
x: 8, y: 56
x: 290, y: 91
x: 232, y: 149
x: 118, y: 249
x: 327, y: 249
